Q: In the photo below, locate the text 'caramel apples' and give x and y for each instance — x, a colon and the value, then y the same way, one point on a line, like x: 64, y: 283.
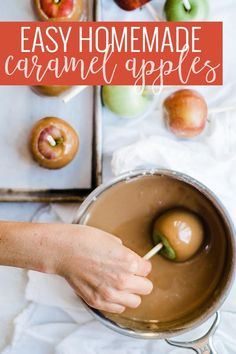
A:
x: 130, y: 5
x: 53, y: 142
x: 185, y: 113
x: 181, y: 232
x: 59, y: 10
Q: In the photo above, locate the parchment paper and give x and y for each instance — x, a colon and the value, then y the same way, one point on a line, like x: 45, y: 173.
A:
x: 20, y: 108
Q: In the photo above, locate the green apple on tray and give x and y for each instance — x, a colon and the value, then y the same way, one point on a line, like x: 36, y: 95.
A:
x: 175, y: 10
x: 186, y: 10
x: 127, y: 101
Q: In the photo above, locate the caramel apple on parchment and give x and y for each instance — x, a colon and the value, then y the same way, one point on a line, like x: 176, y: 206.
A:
x: 53, y: 143
x: 52, y: 91
x: 58, y: 10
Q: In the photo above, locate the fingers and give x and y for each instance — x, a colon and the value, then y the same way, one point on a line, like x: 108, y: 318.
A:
x: 108, y: 276
x: 143, y: 267
x: 120, y: 297
x: 135, y: 264
x: 117, y: 239
x: 109, y: 307
x: 97, y: 300
x: 114, y: 301
x: 135, y: 284
x: 106, y: 298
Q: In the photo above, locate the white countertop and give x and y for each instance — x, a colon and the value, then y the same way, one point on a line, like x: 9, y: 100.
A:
x: 12, y: 278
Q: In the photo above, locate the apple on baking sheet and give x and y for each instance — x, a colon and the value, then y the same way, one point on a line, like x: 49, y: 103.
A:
x: 59, y: 10
x: 53, y: 143
x: 130, y: 5
x: 185, y: 113
x: 127, y: 101
x: 53, y: 90
x: 186, y: 10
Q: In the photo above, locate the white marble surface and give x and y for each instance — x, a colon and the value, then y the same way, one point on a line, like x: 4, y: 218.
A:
x: 12, y: 278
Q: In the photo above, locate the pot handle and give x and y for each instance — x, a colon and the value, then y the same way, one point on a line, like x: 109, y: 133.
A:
x: 203, y: 345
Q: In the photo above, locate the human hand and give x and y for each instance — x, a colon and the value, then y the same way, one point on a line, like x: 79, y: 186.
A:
x: 103, y: 272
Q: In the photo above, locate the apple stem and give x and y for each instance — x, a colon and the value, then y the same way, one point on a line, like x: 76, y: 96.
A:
x: 73, y: 92
x: 187, y: 5
x: 51, y: 141
x: 153, y: 251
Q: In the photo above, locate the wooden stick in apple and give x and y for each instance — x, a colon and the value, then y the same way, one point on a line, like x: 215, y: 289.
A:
x: 153, y: 252
x: 186, y: 10
x: 178, y: 234
x: 153, y: 12
x: 73, y: 92
x: 51, y: 140
x: 187, y: 5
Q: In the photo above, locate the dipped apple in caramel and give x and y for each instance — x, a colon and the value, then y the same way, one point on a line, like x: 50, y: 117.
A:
x: 54, y: 143
x: 182, y: 287
x: 181, y: 232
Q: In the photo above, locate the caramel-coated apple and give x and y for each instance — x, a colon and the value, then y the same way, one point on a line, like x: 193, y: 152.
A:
x: 130, y: 5
x: 181, y: 232
x: 54, y: 143
x: 59, y: 10
x: 53, y: 90
x: 185, y: 113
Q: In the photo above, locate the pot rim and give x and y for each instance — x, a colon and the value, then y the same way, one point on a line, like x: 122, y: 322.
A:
x: 145, y: 334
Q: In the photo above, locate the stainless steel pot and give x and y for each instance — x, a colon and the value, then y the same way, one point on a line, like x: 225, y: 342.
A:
x: 203, y: 345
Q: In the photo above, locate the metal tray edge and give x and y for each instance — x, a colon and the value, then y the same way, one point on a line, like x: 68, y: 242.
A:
x: 69, y: 195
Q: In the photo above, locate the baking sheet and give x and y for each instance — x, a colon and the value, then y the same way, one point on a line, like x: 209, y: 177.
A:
x: 20, y: 177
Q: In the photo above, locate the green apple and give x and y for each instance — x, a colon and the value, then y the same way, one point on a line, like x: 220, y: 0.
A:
x: 126, y: 101
x: 186, y: 10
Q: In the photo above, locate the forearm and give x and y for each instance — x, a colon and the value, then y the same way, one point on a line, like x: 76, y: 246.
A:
x: 30, y: 246
x: 106, y: 274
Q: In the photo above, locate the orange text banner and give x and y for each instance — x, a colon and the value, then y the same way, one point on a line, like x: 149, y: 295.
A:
x: 121, y: 53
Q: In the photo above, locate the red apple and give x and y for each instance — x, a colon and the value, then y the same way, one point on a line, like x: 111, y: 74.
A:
x: 54, y: 143
x: 59, y: 10
x: 185, y: 113
x: 130, y: 5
